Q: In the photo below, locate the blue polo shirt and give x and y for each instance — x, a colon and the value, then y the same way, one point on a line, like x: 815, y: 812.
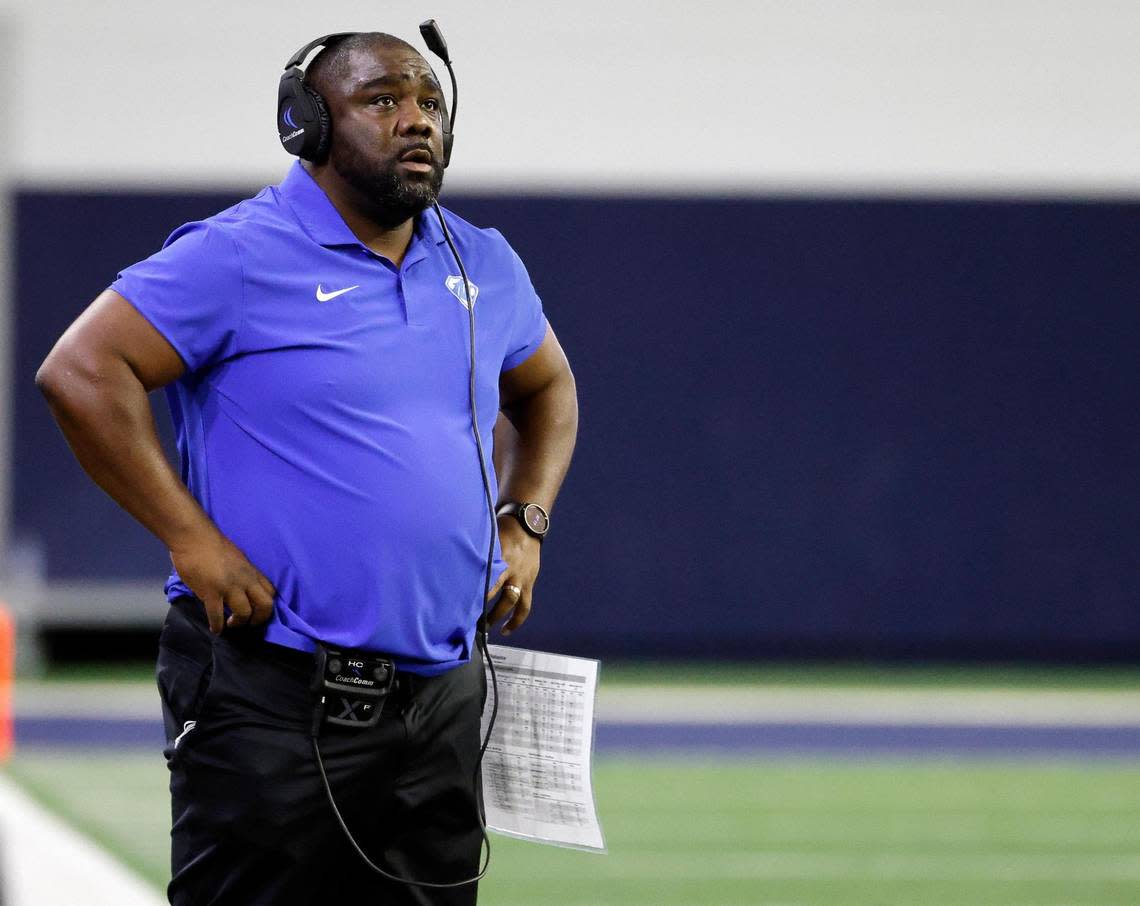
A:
x: 323, y: 418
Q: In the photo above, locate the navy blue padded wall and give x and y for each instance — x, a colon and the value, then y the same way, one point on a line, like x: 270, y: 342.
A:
x: 809, y: 427
x: 69, y: 247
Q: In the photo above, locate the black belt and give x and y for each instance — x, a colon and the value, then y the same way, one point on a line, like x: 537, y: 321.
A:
x: 403, y: 685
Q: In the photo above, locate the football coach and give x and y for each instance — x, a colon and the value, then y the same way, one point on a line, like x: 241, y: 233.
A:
x: 330, y: 403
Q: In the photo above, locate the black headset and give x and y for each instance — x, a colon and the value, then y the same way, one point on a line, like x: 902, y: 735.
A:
x: 303, y: 121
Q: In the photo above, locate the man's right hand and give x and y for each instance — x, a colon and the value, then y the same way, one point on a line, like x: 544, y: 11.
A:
x: 221, y: 576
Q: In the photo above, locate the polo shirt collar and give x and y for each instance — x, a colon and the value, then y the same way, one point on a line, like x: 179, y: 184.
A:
x: 312, y: 207
x: 322, y: 221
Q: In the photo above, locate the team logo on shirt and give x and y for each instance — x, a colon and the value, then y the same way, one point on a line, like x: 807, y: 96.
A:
x: 455, y: 284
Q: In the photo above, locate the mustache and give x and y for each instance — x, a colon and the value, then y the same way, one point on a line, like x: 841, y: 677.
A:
x: 421, y: 151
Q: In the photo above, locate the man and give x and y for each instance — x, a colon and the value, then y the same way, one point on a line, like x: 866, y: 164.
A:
x: 313, y: 341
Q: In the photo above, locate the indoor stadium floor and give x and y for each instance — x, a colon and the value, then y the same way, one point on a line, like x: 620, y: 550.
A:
x: 743, y: 786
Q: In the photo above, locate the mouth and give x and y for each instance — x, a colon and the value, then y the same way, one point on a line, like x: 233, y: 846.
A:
x: 418, y: 159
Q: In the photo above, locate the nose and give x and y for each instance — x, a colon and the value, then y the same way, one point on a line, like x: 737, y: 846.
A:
x: 414, y: 120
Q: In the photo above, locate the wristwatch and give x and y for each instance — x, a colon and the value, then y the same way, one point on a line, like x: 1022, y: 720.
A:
x: 533, y: 518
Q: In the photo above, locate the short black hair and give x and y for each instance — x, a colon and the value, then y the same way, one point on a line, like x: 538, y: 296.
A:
x: 331, y: 63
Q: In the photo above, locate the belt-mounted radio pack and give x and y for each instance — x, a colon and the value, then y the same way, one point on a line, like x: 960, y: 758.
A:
x: 349, y: 687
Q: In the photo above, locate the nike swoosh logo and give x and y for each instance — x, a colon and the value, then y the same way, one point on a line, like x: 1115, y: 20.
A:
x: 322, y: 296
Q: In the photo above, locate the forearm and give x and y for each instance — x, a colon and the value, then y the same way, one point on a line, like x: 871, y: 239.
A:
x: 534, y: 458
x: 105, y: 416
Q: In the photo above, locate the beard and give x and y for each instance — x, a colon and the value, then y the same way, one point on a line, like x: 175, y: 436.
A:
x: 393, y: 196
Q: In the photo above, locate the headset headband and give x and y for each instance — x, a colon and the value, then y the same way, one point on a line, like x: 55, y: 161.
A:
x: 299, y: 57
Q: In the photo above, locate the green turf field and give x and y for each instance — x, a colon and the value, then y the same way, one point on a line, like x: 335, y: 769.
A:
x: 735, y: 831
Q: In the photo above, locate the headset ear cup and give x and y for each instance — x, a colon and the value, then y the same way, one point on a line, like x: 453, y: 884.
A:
x: 445, y: 123
x: 448, y: 136
x: 322, y: 127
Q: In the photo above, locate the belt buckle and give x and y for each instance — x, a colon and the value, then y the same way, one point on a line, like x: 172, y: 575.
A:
x: 351, y: 686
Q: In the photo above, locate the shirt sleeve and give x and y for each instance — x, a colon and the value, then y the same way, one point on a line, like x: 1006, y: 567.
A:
x: 191, y: 293
x: 528, y: 322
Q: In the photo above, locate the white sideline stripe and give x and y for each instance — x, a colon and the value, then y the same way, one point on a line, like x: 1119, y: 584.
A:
x: 43, y: 862
x: 35, y: 698
x: 1114, y: 830
x: 898, y: 866
x: 857, y: 706
x: 713, y: 705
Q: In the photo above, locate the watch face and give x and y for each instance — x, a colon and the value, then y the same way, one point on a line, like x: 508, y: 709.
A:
x: 536, y: 518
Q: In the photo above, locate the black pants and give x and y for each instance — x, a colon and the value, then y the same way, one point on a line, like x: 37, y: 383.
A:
x: 252, y: 825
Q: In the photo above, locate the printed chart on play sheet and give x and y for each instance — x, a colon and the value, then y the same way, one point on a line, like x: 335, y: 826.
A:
x: 537, y: 768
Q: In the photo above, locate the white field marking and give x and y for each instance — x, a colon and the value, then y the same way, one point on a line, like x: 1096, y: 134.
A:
x: 1120, y: 831
x: 43, y: 862
x: 799, y: 866
x: 1026, y: 811
x: 1114, y: 833
x: 706, y: 705
x: 35, y: 698
x: 856, y: 705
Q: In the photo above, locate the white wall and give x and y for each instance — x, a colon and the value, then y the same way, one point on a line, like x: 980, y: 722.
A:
x: 880, y: 95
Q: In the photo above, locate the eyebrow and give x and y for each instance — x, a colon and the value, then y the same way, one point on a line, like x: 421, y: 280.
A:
x: 386, y: 80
